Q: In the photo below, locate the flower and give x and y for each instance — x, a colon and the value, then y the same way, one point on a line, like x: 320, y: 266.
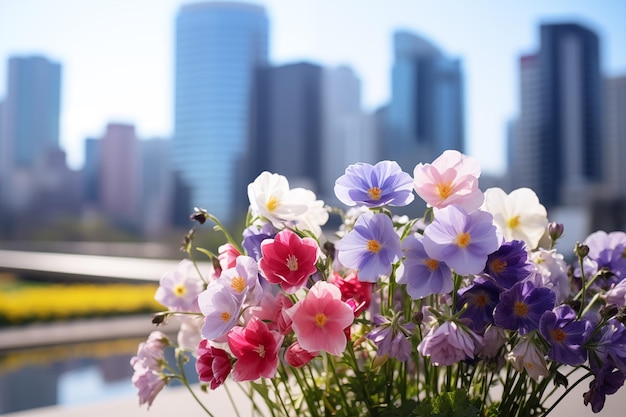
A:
x: 610, y: 345
x: 565, y: 334
x: 607, y: 250
x: 149, y: 384
x: 519, y: 215
x: 375, y: 186
x: 320, y: 318
x: 256, y: 349
x: 527, y: 356
x: 521, y: 307
x: 422, y: 274
x: 450, y: 179
x: 298, y: 357
x: 617, y: 294
x: 607, y: 381
x: 371, y: 247
x: 353, y: 290
x: 288, y: 260
x: 461, y: 240
x: 271, y: 198
x: 449, y: 343
x: 147, y: 365
x: 221, y: 309
x: 213, y: 364
x: 477, y: 302
x: 242, y: 280
x: 391, y: 337
x: 179, y: 289
x: 509, y: 264
x: 550, y: 272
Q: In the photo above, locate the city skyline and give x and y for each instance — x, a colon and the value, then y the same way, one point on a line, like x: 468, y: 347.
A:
x: 130, y: 78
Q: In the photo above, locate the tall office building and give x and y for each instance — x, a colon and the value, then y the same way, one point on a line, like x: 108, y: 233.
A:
x: 615, y: 134
x: 426, y: 111
x: 31, y: 109
x: 119, y: 174
x: 219, y: 46
x: 559, y: 138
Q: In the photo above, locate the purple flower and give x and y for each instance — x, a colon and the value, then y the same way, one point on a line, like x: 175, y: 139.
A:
x: 608, y: 381
x: 610, y: 345
x: 509, y: 264
x: 521, y: 307
x: 375, y: 186
x: 253, y: 236
x: 149, y: 384
x: 460, y: 239
x: 422, y: 274
x: 479, y: 300
x: 448, y: 344
x: 392, y: 337
x: 179, y: 289
x: 617, y: 294
x: 607, y: 251
x: 371, y: 247
x: 565, y: 335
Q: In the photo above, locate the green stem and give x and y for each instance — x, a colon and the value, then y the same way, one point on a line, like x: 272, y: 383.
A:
x: 567, y: 391
x: 183, y: 378
x: 232, y: 400
x: 343, y: 396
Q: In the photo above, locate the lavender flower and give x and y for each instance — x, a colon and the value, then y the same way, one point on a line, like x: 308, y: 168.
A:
x: 610, y: 345
x: 617, y: 294
x: 422, y: 275
x: 449, y: 343
x: 479, y: 300
x: 254, y: 235
x: 460, y: 239
x: 179, y: 289
x: 375, y: 186
x: 371, y: 247
x: 521, y: 307
x: 509, y: 264
x: 608, y: 381
x: 391, y: 337
x: 565, y: 335
x: 607, y: 251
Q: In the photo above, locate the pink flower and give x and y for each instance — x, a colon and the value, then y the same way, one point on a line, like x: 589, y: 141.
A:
x: 320, y: 318
x: 288, y: 260
x: 452, y: 178
x: 148, y: 383
x: 150, y: 353
x: 448, y: 344
x: 227, y: 256
x: 213, y: 364
x: 298, y: 357
x: 353, y: 291
x: 272, y: 310
x: 256, y: 349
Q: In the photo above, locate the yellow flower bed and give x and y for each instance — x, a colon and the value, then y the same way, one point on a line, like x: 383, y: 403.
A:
x: 19, y: 304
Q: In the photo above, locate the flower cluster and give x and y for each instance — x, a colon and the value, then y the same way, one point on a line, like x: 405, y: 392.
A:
x: 391, y: 315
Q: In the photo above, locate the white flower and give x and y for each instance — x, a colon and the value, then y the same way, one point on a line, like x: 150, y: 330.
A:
x: 519, y: 215
x: 617, y: 294
x: 527, y: 356
x: 271, y: 198
x: 551, y: 272
x: 189, y: 333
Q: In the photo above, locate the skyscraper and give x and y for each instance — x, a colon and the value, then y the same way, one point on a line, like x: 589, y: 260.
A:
x: 615, y: 134
x: 426, y: 111
x: 559, y: 130
x: 219, y: 45
x: 32, y: 109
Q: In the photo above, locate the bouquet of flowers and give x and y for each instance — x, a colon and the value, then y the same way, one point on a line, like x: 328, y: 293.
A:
x: 468, y: 310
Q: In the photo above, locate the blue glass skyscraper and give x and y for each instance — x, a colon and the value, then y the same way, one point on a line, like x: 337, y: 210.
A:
x: 219, y: 46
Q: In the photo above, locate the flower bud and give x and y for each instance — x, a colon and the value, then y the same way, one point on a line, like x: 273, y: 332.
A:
x: 608, y: 311
x: 297, y: 357
x: 555, y: 231
x: 581, y: 250
x: 199, y: 215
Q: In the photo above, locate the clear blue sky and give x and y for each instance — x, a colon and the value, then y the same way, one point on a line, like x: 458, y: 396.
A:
x: 118, y: 66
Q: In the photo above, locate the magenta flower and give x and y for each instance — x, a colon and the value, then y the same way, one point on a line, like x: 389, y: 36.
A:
x: 422, y: 274
x: 213, y: 364
x: 371, y: 247
x: 288, y: 260
x: 452, y: 178
x: 256, y: 349
x: 375, y: 186
x: 298, y: 357
x: 353, y: 291
x: 565, y: 335
x: 179, y: 289
x: 521, y: 307
x: 461, y: 240
x: 320, y: 318
x: 448, y: 344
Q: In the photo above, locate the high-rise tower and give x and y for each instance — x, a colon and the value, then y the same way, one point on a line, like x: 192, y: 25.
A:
x: 219, y: 45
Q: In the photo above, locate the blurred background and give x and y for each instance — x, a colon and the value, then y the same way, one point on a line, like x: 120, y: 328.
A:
x: 118, y: 117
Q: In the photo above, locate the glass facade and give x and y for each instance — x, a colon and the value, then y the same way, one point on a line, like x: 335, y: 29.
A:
x: 219, y: 45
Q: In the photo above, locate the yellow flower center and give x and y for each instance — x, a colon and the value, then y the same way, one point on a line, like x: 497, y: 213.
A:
x: 513, y: 222
x: 558, y: 335
x: 463, y: 239
x: 238, y: 284
x: 292, y: 263
x: 180, y: 290
x: 272, y: 204
x: 320, y: 319
x: 444, y: 190
x: 520, y: 309
x: 481, y: 300
x: 260, y: 350
x: 432, y: 264
x: 498, y: 266
x: 225, y: 316
x: 374, y: 193
x: 373, y: 246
